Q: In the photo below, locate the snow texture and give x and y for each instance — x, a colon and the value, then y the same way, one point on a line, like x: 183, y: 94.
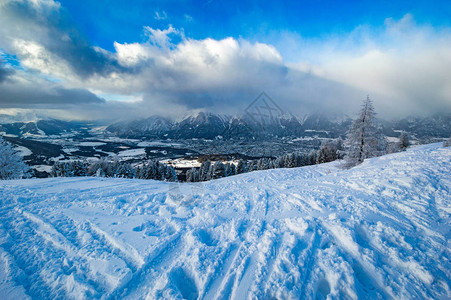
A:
x: 133, y: 152
x: 380, y: 230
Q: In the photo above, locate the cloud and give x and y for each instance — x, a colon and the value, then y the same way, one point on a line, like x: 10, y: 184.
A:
x: 40, y: 34
x: 4, y: 72
x: 160, y: 16
x: 25, y: 91
x: 403, y: 66
x: 406, y: 65
x: 221, y: 75
x: 160, y: 38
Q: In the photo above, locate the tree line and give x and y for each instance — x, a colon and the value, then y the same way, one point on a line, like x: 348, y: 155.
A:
x: 105, y: 167
x: 329, y: 151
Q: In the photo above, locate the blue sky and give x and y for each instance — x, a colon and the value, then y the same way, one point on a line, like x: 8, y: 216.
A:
x: 107, y: 21
x: 116, y: 59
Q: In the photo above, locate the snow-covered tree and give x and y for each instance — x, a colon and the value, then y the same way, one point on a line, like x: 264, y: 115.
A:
x: 217, y: 170
x: 58, y: 169
x: 311, y: 158
x: 124, y: 170
x: 290, y: 160
x: 262, y: 164
x: 252, y: 165
x: 279, y: 162
x: 171, y: 174
x: 327, y: 152
x: 241, y: 167
x: 146, y: 171
x: 403, y: 141
x: 192, y: 175
x: 204, y: 171
x: 100, y: 168
x: 340, y: 148
x: 11, y: 163
x: 363, y: 138
x: 230, y: 169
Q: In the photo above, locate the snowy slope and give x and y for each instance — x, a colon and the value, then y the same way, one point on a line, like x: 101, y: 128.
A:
x: 380, y: 230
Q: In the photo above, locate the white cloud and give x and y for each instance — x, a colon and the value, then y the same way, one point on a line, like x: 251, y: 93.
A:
x: 160, y: 16
x: 130, y: 55
x: 35, y: 56
x: 404, y: 64
x: 161, y: 38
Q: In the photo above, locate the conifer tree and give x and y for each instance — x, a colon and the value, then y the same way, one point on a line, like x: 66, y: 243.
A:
x: 241, y: 167
x: 363, y: 138
x: 204, y: 171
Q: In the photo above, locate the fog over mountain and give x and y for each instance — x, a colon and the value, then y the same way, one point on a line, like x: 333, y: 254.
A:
x: 51, y: 66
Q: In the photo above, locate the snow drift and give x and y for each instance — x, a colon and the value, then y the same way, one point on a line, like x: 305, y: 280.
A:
x: 379, y: 230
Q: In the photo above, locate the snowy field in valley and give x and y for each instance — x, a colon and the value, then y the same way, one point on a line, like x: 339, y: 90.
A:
x: 379, y: 230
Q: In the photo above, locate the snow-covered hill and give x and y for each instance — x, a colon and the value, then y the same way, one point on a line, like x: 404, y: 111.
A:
x: 380, y: 230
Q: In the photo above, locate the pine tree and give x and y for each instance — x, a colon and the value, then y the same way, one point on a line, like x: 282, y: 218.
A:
x: 57, y: 169
x: 192, y: 175
x: 217, y: 170
x: 123, y: 170
x: 232, y: 169
x: 279, y: 162
x: 204, y: 171
x: 311, y: 159
x: 252, y: 165
x: 241, y: 167
x: 11, y: 163
x: 327, y: 152
x: 261, y: 164
x: 161, y: 171
x: 290, y: 160
x: 363, y: 138
x: 80, y: 168
x: 171, y: 174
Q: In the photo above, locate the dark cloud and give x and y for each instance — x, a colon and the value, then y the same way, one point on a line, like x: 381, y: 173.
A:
x: 4, y: 73
x: 48, y: 25
x: 17, y: 95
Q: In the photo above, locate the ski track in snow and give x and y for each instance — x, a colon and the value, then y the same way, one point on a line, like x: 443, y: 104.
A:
x: 380, y: 230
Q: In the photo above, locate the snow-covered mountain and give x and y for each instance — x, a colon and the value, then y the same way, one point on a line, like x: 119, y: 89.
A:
x: 205, y: 125
x: 201, y: 125
x: 378, y: 231
x: 42, y: 128
x: 209, y: 126
x: 154, y: 126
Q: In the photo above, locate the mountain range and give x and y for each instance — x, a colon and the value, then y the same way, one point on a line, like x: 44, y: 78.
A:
x: 206, y: 125
x: 210, y: 126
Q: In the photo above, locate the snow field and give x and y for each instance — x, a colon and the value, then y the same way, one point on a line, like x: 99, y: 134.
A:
x: 380, y: 230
